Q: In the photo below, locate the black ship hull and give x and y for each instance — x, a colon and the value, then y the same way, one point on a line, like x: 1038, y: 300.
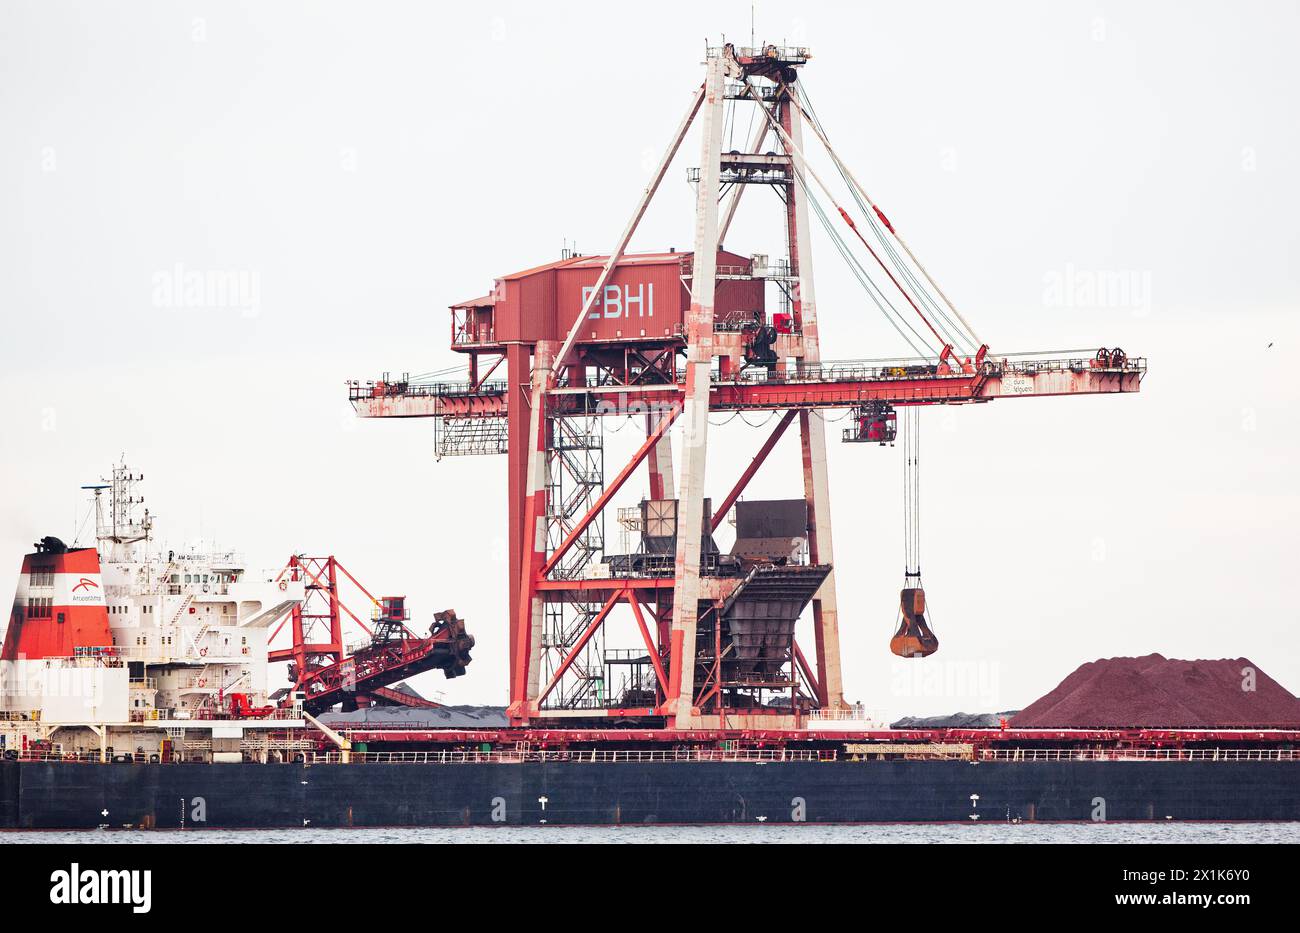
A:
x: 45, y: 795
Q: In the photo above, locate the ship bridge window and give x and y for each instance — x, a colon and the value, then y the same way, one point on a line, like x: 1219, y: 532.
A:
x: 41, y: 576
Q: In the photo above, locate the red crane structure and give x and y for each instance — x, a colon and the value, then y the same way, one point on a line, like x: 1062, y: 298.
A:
x: 322, y: 670
x: 667, y: 338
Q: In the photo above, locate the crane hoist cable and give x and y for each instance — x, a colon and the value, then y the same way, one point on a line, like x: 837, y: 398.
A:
x: 853, y: 183
x: 914, y: 638
x: 797, y: 154
x: 911, y: 422
x: 877, y: 296
x: 961, y: 338
x: 881, y: 301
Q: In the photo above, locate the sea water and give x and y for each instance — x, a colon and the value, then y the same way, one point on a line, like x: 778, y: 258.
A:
x: 922, y: 833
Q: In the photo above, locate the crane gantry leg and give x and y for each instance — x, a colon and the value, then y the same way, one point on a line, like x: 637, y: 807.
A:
x: 699, y: 363
x: 812, y: 429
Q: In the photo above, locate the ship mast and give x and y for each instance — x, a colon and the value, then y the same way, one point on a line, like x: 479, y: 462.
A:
x: 119, y: 531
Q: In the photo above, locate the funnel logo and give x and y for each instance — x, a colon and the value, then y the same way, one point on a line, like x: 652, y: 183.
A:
x: 86, y: 591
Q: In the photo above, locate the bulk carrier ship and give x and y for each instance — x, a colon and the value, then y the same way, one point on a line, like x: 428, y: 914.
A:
x: 673, y: 676
x: 134, y: 693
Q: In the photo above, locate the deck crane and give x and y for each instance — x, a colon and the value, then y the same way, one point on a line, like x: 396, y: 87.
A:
x: 710, y: 638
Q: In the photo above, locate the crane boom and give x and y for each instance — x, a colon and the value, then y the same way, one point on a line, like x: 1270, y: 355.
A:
x: 827, y: 386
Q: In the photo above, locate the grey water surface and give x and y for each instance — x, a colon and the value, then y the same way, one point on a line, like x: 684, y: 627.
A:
x: 693, y: 835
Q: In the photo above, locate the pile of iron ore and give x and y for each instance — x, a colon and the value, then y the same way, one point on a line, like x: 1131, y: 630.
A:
x: 1155, y: 692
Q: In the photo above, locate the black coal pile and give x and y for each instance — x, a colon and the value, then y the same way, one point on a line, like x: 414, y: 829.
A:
x: 954, y: 721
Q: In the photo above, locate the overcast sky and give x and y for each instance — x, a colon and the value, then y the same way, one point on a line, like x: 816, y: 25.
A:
x: 358, y: 167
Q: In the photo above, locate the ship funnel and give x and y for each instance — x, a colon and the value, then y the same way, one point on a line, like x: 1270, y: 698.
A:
x: 59, y: 609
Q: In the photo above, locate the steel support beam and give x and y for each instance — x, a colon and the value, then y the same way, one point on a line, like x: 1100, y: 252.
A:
x: 660, y: 464
x: 514, y: 407
x: 650, y: 647
x: 699, y: 360
x: 528, y: 624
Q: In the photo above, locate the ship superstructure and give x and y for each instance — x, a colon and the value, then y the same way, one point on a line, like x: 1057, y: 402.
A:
x: 127, y: 632
x: 190, y: 626
x: 131, y: 650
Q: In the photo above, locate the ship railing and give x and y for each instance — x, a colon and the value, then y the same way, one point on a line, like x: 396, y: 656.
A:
x: 666, y: 755
x: 855, y: 713
x: 585, y: 755
x: 86, y: 657
x: 164, y: 654
x: 207, y: 714
x: 20, y: 715
x: 201, y: 747
x: 48, y: 754
x: 1139, y: 754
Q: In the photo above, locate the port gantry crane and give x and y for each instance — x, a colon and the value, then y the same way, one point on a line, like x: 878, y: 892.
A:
x: 669, y: 337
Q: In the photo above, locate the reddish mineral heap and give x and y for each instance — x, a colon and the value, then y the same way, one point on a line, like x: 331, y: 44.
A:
x: 1156, y: 692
